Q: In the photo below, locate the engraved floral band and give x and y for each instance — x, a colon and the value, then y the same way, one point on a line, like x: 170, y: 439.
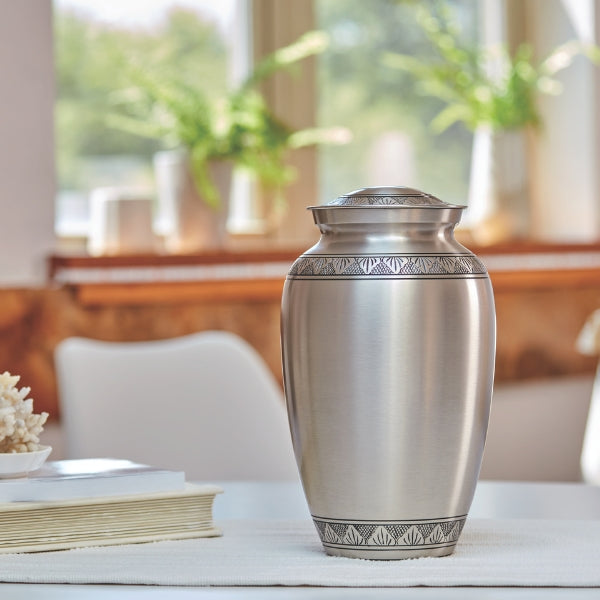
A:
x: 387, y: 266
x: 390, y: 535
x: 416, y: 199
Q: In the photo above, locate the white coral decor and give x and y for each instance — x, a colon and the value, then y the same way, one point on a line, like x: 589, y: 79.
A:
x: 19, y: 427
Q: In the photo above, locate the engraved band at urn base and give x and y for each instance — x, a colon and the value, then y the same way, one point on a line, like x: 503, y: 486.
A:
x: 387, y: 266
x: 389, y: 535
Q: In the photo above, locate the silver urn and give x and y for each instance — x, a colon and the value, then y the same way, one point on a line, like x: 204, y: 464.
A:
x: 388, y: 344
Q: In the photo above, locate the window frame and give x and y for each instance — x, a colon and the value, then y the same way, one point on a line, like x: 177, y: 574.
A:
x: 274, y: 23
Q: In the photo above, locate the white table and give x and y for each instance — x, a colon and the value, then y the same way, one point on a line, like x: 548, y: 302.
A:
x: 285, y: 501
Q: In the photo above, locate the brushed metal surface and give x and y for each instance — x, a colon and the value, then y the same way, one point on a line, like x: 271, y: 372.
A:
x: 388, y: 345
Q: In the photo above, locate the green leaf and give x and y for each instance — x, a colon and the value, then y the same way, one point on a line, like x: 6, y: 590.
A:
x: 138, y: 127
x: 311, y: 43
x: 450, y: 115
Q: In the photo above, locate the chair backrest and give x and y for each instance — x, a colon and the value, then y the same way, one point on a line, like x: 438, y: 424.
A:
x: 588, y: 342
x: 590, y: 451
x: 204, y: 403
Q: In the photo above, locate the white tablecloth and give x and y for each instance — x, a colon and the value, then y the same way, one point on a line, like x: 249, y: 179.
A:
x: 517, y: 552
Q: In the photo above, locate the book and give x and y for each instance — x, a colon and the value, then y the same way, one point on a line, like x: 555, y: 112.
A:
x: 113, y: 520
x: 89, y: 477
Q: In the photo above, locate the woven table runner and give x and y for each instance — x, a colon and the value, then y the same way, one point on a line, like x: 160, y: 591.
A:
x: 517, y: 552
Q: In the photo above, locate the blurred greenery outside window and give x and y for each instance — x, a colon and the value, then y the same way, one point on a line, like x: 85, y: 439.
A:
x: 392, y: 140
x: 193, y: 36
x: 391, y: 143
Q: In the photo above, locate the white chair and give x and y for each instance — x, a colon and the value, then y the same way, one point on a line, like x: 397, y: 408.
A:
x: 204, y: 403
x: 588, y: 342
x: 590, y: 452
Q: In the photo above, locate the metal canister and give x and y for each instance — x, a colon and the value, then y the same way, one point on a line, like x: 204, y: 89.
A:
x: 388, y: 345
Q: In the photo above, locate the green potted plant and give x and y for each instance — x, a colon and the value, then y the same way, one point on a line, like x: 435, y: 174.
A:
x: 237, y: 129
x: 490, y: 91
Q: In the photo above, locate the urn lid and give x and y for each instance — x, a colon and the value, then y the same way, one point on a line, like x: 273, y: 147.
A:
x: 406, y: 205
x: 388, y: 196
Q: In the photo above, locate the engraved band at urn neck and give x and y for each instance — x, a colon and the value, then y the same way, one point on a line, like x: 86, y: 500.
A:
x: 390, y: 535
x: 387, y: 266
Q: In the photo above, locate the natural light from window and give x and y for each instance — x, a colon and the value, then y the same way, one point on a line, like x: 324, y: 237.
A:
x: 393, y: 143
x: 93, y: 43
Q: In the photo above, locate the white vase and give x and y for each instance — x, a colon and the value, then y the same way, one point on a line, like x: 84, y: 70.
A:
x: 121, y: 222
x: 498, y: 187
x: 186, y: 221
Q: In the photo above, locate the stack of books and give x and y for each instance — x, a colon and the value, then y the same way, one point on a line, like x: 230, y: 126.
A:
x: 98, y: 502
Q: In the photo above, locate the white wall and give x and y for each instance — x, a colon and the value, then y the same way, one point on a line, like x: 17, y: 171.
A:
x: 26, y: 141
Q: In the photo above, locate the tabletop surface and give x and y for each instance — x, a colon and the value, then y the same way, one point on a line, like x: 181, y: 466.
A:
x: 493, y: 499
x: 274, y: 500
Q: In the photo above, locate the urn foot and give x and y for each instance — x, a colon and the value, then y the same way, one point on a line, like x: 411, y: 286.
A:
x: 389, y: 554
x: 389, y: 540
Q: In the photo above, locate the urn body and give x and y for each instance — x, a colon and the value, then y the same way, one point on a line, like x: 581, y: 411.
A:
x: 388, y: 347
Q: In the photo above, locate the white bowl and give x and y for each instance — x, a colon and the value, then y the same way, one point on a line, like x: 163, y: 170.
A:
x: 18, y: 464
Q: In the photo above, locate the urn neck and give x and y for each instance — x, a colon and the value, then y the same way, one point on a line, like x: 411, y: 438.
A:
x: 399, y: 238
x: 379, y: 217
x: 425, y: 232
x: 387, y: 216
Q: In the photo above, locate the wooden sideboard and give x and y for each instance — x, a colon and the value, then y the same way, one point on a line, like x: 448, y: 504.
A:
x: 544, y: 294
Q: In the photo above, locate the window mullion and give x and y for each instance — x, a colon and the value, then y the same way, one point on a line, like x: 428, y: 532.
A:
x: 292, y: 97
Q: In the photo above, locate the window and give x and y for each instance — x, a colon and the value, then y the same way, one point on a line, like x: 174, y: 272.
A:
x: 392, y: 141
x: 94, y: 44
x: 353, y: 87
